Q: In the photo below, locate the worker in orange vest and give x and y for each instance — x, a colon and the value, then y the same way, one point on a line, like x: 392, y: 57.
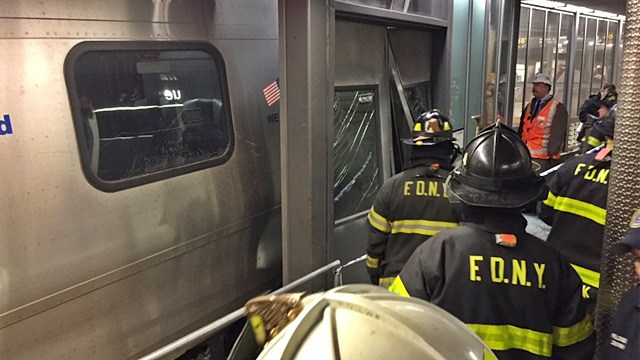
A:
x: 543, y: 125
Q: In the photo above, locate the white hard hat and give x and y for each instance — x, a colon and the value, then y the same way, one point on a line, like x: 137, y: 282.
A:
x: 542, y: 78
x: 369, y: 322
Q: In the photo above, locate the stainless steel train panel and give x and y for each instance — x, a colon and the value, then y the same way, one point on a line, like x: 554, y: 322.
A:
x: 90, y: 274
x: 160, y: 11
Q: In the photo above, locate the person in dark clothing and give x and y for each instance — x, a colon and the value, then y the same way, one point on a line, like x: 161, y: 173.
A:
x: 514, y: 290
x: 624, y: 339
x: 543, y: 125
x: 589, y: 111
x: 595, y: 137
x: 576, y: 209
x: 412, y: 205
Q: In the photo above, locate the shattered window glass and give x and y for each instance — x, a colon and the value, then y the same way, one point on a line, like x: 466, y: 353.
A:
x: 147, y: 114
x: 355, y: 151
x: 418, y: 99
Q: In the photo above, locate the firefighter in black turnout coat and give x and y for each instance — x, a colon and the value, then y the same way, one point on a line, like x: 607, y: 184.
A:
x: 412, y: 205
x: 514, y: 290
x: 576, y: 209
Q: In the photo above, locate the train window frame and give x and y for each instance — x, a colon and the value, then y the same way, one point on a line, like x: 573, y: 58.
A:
x: 70, y: 72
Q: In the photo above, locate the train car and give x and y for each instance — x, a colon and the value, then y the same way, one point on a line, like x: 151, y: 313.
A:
x: 140, y: 171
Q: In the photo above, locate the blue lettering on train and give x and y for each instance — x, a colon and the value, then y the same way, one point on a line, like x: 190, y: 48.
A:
x: 5, y: 125
x: 273, y: 118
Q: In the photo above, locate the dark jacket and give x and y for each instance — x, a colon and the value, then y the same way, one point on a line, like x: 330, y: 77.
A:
x: 624, y: 341
x: 409, y: 208
x: 523, y: 301
x: 589, y: 107
x: 576, y: 210
x: 593, y: 138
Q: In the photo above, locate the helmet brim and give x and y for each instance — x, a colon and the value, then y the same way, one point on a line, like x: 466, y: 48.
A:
x: 497, y: 199
x: 432, y: 140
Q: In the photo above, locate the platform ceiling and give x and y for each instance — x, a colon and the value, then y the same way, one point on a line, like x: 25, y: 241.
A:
x: 612, y: 6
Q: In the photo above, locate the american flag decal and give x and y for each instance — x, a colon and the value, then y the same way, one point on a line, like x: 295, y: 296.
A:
x: 272, y: 92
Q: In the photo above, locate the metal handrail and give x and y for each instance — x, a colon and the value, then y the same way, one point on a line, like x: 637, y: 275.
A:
x: 555, y: 168
x: 205, y: 332
x: 337, y: 273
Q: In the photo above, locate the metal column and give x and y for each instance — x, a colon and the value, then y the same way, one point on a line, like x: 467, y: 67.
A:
x: 306, y: 129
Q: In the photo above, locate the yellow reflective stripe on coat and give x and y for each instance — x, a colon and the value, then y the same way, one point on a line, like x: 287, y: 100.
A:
x: 378, y: 221
x: 594, y: 142
x: 397, y: 286
x: 566, y: 336
x: 423, y: 227
x: 372, y: 262
x: 550, y: 201
x: 581, y: 208
x: 386, y: 282
x: 505, y: 337
x: 589, y: 277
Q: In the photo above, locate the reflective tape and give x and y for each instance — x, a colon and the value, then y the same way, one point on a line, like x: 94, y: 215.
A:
x: 550, y: 201
x: 594, y: 142
x: 423, y: 227
x: 581, y: 208
x: 372, y: 262
x: 398, y: 287
x: 589, y: 277
x: 505, y: 337
x: 387, y: 281
x: 567, y: 336
x: 378, y: 221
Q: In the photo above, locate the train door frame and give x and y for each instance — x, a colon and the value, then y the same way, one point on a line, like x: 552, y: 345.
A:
x: 407, y: 48
x: 307, y: 54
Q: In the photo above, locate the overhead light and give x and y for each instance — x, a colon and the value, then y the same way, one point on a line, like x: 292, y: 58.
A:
x: 575, y: 9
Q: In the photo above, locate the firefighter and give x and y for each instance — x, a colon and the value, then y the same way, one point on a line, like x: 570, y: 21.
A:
x: 360, y: 322
x: 589, y: 111
x: 543, y: 124
x: 576, y: 210
x: 514, y: 290
x: 595, y: 137
x: 412, y: 205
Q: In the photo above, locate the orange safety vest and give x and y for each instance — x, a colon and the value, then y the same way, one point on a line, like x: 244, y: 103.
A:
x: 537, y: 132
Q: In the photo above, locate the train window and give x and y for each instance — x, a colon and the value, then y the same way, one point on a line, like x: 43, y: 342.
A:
x: 355, y: 151
x: 418, y: 97
x: 147, y: 111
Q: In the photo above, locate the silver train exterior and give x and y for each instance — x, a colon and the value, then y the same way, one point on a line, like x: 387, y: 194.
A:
x: 113, y: 263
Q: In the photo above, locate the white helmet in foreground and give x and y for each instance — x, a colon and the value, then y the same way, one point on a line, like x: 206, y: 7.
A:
x: 369, y: 322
